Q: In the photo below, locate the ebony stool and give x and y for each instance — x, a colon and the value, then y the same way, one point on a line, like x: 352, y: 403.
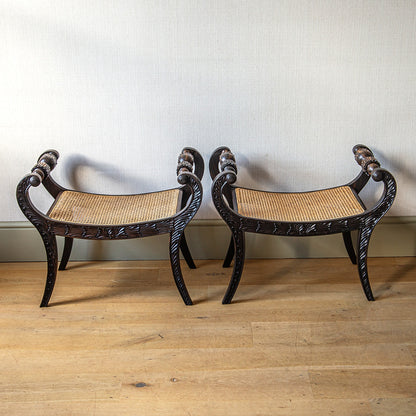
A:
x: 320, y: 212
x: 90, y: 216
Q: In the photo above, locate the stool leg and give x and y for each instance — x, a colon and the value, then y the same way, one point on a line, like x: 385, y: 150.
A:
x: 348, y: 245
x: 230, y: 254
x: 364, y: 235
x: 49, y: 240
x: 186, y: 253
x: 174, y: 243
x: 66, y: 253
x: 239, y: 244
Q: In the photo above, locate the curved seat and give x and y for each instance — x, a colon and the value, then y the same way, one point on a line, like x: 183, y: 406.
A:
x: 320, y: 212
x: 322, y: 205
x: 84, y: 215
x: 86, y: 208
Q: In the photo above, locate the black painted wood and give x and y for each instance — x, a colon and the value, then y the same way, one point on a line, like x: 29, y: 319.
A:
x: 186, y: 253
x: 230, y: 254
x: 66, y: 253
x: 349, y: 246
x: 189, y: 174
x: 223, y: 171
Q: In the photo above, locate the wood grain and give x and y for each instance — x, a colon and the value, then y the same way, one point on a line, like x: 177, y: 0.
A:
x: 301, y: 339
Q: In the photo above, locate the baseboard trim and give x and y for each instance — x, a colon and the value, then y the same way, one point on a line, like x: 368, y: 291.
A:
x: 208, y: 239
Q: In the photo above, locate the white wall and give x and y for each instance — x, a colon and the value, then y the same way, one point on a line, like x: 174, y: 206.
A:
x: 290, y: 86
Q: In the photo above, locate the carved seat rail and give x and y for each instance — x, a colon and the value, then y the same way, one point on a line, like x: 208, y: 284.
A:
x: 111, y: 217
x: 321, y: 212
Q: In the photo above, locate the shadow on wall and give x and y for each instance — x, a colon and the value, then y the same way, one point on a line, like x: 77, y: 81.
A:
x: 77, y: 165
x: 255, y: 174
x: 403, y: 174
x: 400, y: 171
x: 253, y: 171
x: 77, y: 170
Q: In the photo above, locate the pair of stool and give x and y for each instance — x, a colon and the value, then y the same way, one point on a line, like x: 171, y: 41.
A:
x: 83, y: 215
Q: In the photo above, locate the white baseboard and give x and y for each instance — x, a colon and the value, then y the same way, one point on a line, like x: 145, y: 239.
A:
x: 208, y: 239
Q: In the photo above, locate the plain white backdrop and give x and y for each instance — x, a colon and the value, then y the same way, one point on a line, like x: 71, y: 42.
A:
x: 120, y: 87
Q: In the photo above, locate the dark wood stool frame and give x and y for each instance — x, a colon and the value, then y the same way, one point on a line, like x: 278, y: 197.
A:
x: 223, y: 170
x: 190, y: 170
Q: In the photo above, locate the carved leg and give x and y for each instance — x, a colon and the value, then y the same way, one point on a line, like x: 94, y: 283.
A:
x: 348, y: 245
x: 186, y: 253
x: 364, y: 235
x: 230, y: 254
x: 239, y: 244
x: 174, y: 243
x: 51, y: 248
x: 66, y: 253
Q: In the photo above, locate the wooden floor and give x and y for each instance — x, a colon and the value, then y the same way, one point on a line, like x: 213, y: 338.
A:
x: 299, y: 339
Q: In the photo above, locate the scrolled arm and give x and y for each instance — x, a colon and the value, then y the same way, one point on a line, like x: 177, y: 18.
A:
x: 189, y: 161
x: 198, y: 162
x: 223, y: 160
x: 223, y: 170
x: 190, y: 170
x: 45, y: 164
x: 371, y: 168
x: 185, y: 165
x: 39, y: 174
x: 369, y: 164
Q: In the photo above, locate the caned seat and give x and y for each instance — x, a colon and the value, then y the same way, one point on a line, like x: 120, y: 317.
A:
x: 75, y: 214
x: 322, y: 205
x: 319, y: 212
x: 86, y: 208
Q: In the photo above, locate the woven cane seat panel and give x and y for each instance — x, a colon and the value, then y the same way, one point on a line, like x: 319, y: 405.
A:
x: 85, y: 208
x: 298, y: 207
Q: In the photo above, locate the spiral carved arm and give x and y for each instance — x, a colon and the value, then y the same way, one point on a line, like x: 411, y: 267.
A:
x: 366, y: 159
x: 39, y: 174
x: 189, y: 161
x: 190, y: 170
x: 45, y: 164
x: 223, y: 160
x: 371, y: 167
x: 223, y: 170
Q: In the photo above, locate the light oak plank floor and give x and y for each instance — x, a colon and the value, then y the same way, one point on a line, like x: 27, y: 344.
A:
x: 299, y: 339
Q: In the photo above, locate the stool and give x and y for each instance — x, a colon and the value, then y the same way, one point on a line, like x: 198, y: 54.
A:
x: 90, y: 216
x: 320, y: 212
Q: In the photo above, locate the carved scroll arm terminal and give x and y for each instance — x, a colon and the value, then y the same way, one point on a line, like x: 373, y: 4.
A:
x: 371, y: 167
x: 190, y: 170
x: 40, y: 173
x: 45, y: 164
